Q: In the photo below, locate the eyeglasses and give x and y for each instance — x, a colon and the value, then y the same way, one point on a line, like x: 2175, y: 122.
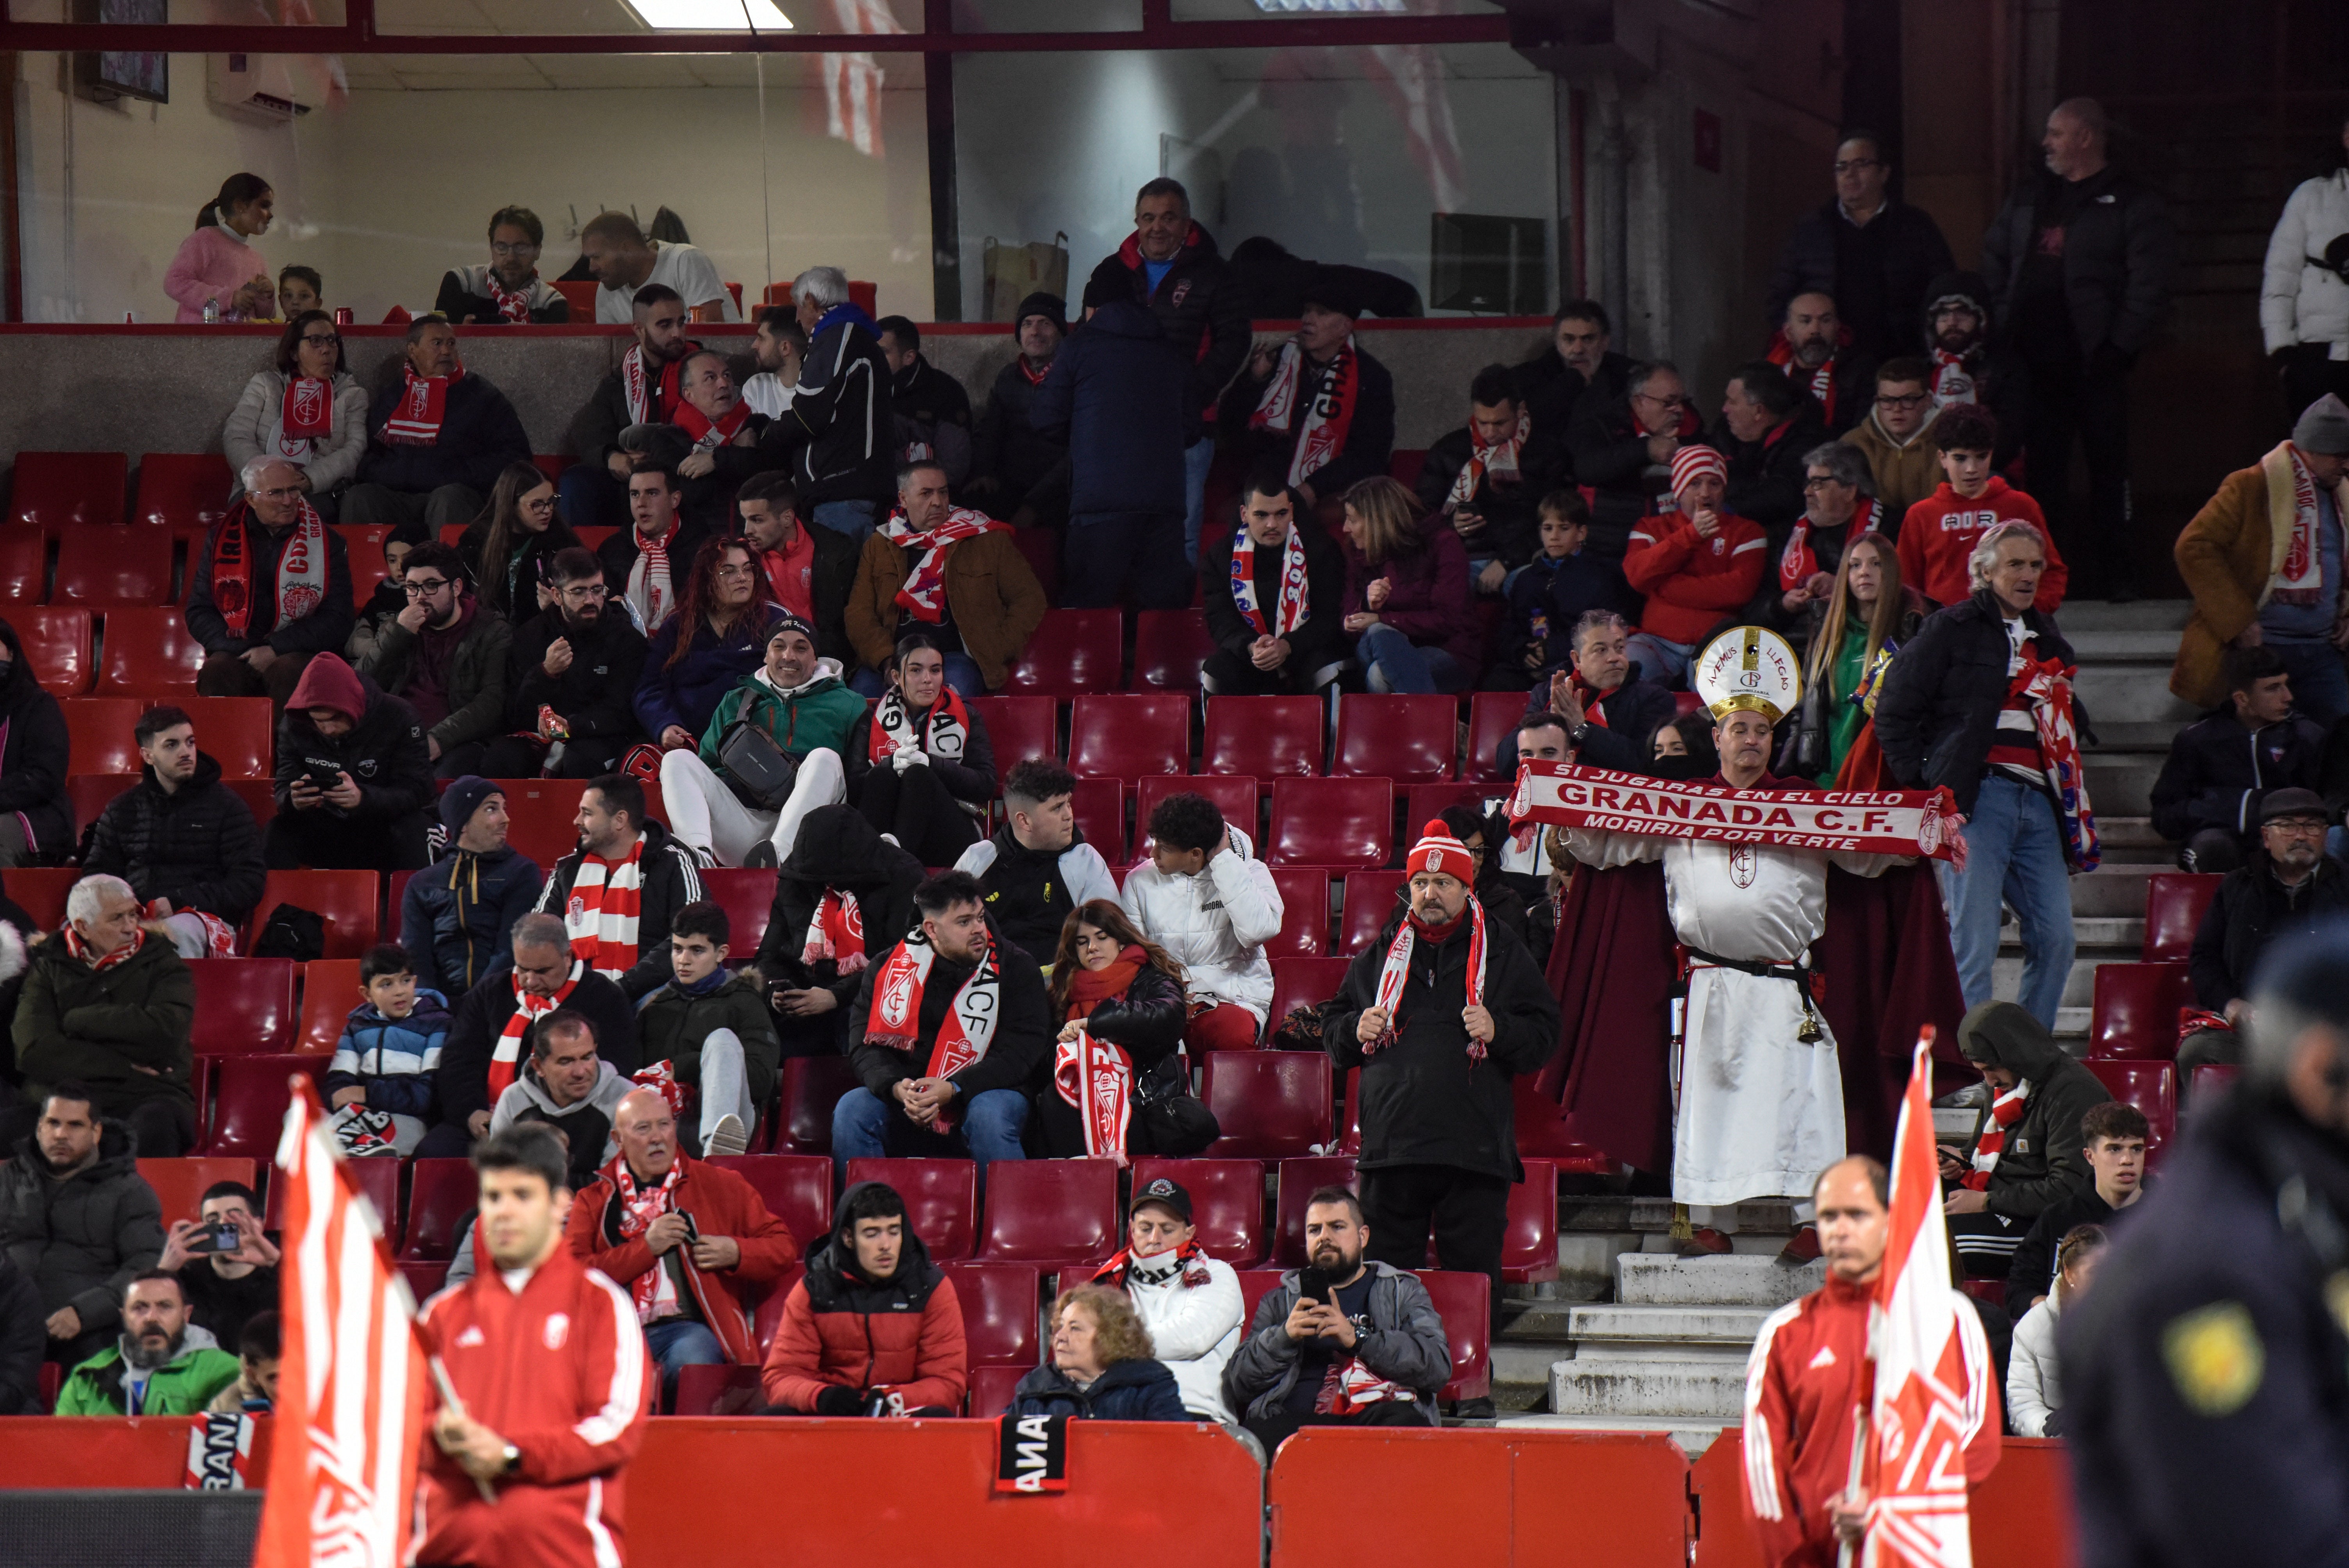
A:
x: 1904, y: 400
x: 424, y: 587
x: 737, y: 570
x: 545, y: 503
x: 1854, y: 165
x: 1680, y: 402
x: 523, y: 249
x: 591, y: 591
x: 314, y: 340
x: 287, y: 493
x: 1818, y: 482
x: 2300, y: 826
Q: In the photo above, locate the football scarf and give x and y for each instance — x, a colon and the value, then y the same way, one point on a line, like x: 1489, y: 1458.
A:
x: 423, y: 403
x: 923, y: 595
x: 601, y: 916
x: 638, y: 1206
x: 1096, y: 1078
x: 1290, y: 613
x: 1396, y: 972
x: 305, y: 415
x: 301, y: 570
x: 2295, y: 560
x: 219, y: 1452
x: 968, y: 1028
x: 1798, y: 562
x: 1952, y: 382
x: 1500, y: 459
x: 707, y: 435
x: 505, y: 1056
x: 2004, y: 1112
x: 2045, y: 686
x: 652, y: 396
x: 1189, y: 1260
x: 1033, y: 373
x: 837, y: 932
x: 101, y: 965
x: 513, y: 308
x: 1328, y: 412
x: 943, y: 732
x: 652, y: 590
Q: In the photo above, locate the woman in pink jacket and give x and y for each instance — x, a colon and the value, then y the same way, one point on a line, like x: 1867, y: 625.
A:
x: 215, y: 264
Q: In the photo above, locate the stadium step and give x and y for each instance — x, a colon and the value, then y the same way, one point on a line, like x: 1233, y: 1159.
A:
x: 1738, y: 1280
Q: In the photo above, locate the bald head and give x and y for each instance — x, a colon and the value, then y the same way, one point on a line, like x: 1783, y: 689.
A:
x: 1852, y: 1219
x: 2076, y: 138
x: 646, y: 1130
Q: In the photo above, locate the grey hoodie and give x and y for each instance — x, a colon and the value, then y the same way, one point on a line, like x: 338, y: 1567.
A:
x: 587, y: 1125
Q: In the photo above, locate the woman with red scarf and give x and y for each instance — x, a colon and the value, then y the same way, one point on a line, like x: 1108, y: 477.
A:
x: 919, y: 765
x: 1121, y: 1085
x: 307, y: 409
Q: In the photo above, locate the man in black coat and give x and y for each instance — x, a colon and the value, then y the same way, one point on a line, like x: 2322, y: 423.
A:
x: 1489, y: 476
x: 1578, y: 357
x: 1017, y: 471
x: 656, y: 496
x: 1870, y: 253
x: 2287, y: 884
x: 178, y: 835
x: 846, y: 443
x: 354, y: 779
x: 77, y: 1220
x: 573, y: 679
x: 642, y: 389
x: 36, y: 820
x: 812, y: 977
x: 1319, y: 402
x: 1822, y: 363
x: 931, y: 407
x: 1286, y: 639
x: 2041, y: 1161
x: 2208, y: 795
x: 256, y: 642
x: 1622, y: 446
x: 438, y: 438
x: 1607, y: 710
x: 1766, y: 432
x: 1437, y: 1044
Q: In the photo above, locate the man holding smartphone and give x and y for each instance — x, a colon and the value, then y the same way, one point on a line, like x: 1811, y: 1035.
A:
x: 227, y: 1268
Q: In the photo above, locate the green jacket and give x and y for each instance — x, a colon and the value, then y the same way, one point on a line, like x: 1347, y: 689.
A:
x: 182, y: 1388
x: 817, y: 715
x: 671, y: 1026
x: 100, y: 1025
x: 476, y: 674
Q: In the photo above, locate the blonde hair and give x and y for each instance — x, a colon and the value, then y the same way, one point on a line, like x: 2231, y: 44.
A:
x: 1117, y: 1328
x: 1388, y: 516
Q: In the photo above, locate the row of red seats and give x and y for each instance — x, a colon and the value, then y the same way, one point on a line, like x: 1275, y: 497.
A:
x: 2136, y: 1006
x: 186, y: 493
x: 140, y: 652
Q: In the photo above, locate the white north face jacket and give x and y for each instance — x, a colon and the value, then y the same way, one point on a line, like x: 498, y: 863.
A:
x: 1194, y: 1329
x: 1215, y: 924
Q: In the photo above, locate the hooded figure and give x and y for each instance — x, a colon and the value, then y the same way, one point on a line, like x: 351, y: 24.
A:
x: 851, y: 1344
x: 1968, y: 370
x: 2027, y: 1144
x: 36, y: 819
x: 863, y: 889
x: 373, y: 740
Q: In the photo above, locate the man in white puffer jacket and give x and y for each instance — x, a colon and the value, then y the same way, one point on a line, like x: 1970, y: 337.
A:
x: 1190, y: 1301
x: 1205, y: 897
x: 2304, y: 290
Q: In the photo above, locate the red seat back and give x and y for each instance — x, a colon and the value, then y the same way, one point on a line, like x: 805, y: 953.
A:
x: 1041, y: 549
x: 542, y: 817
x: 796, y: 1189
x: 551, y: 464
x: 1227, y: 1203
x: 378, y: 1178
x: 1300, y: 1180
x: 149, y: 654
x: 91, y: 793
x: 1425, y: 803
x: 1529, y: 1239
x: 579, y: 293
x: 1493, y: 718
x: 1019, y: 728
x: 719, y: 1389
x: 1053, y: 1213
x: 941, y: 1199
x: 748, y: 897
x: 58, y: 491
x: 184, y: 491
x: 1270, y: 1105
x: 1410, y: 739
x: 1255, y: 1285
x: 811, y: 1086
x: 1539, y: 1132
x: 426, y: 1280
x: 1072, y: 653
x: 180, y: 1184
x: 1346, y: 822
x: 243, y: 1006
x: 40, y: 891
x: 1370, y: 898
x: 133, y: 568
x: 1403, y: 464
x: 1001, y: 1313
x: 362, y: 544
x: 330, y: 989
x: 57, y: 643
x: 1234, y: 795
x: 1304, y: 915
x: 1303, y: 981
x: 1263, y: 737
x: 1464, y: 1302
x: 2135, y: 1012
x: 346, y: 899
x: 992, y: 1388
x: 1130, y: 735
x: 250, y: 1098
x: 440, y: 1193
x: 97, y: 731
x: 2152, y: 1088
x: 24, y: 566
x: 1099, y: 805
x: 237, y: 732
x: 2174, y: 905
x: 1170, y: 648
x: 258, y: 797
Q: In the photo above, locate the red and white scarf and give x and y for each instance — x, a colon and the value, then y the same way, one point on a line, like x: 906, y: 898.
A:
x: 2044, y: 687
x: 1395, y: 973
x: 1290, y: 613
x: 1499, y: 460
x: 1034, y: 373
x: 1328, y: 412
x: 943, y: 732
x: 966, y: 1030
x: 652, y: 398
x: 923, y: 594
x: 515, y: 307
x: 1798, y: 562
x: 1096, y: 1078
x: 423, y: 404
x: 505, y: 1056
x: 2295, y: 556
x: 1190, y: 1258
x: 101, y: 965
x: 837, y: 931
x: 707, y: 435
x: 1822, y: 385
x: 652, y: 585
x: 306, y: 416
x: 638, y: 1206
x: 2004, y: 1112
x: 601, y: 916
x: 219, y: 1452
x: 1952, y: 382
x: 301, y: 570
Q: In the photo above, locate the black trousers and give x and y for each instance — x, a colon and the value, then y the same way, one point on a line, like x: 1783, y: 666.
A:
x: 929, y: 823
x: 511, y: 756
x: 1467, y: 1213
x: 321, y: 837
x: 1234, y: 675
x: 1132, y: 557
x: 1276, y: 1427
x: 2071, y: 402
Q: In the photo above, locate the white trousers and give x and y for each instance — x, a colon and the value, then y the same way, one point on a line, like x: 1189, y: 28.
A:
x: 724, y: 1090
x: 705, y: 814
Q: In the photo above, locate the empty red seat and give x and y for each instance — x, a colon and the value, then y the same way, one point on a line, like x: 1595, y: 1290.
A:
x: 57, y: 490
x: 1303, y: 981
x: 1540, y: 1134
x: 1040, y: 548
x: 40, y: 891
x: 1170, y: 648
x: 1493, y: 718
x: 346, y: 900
x: 1529, y: 1240
x: 1410, y: 739
x: 57, y: 643
x: 1263, y: 737
x: 1000, y: 1312
x: 1300, y: 1180
x: 1072, y: 653
x: 1053, y: 1213
x: 1255, y: 1285
x: 1019, y: 728
x: 748, y: 897
x: 811, y: 1086
x: 2137, y: 1006
x: 180, y: 1184
x: 1371, y: 901
x: 543, y: 819
x: 1425, y: 803
x: 2174, y: 905
x: 1227, y: 1203
x: 992, y: 1388
x: 796, y: 1189
x: 2152, y: 1088
x: 1346, y: 822
x: 258, y: 797
x: 1234, y: 795
x: 378, y: 1179
x: 440, y: 1193
x: 237, y: 732
x: 941, y: 1199
x: 1270, y: 1105
x: 719, y: 1390
x: 244, y: 1004
x: 362, y: 544
x: 1099, y: 806
x: 1304, y: 913
x: 250, y: 1097
x: 1130, y: 735
x: 330, y: 989
x: 91, y: 793
x: 1403, y: 464
x: 147, y: 653
x: 126, y: 568
x: 97, y: 731
x: 1464, y: 1302
x: 24, y: 566
x: 428, y: 1279
x: 184, y: 491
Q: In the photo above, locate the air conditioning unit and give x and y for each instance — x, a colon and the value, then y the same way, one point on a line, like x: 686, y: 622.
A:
x: 266, y: 87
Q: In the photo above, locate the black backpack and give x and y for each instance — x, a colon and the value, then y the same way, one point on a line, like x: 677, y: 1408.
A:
x: 291, y: 932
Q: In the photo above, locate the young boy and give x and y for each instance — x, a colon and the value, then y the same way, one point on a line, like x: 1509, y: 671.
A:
x: 1549, y: 595
x: 712, y: 1030
x: 299, y: 289
x: 1939, y: 532
x: 379, y: 1084
x: 254, y: 1392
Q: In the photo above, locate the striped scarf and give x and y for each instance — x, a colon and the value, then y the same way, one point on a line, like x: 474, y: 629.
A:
x: 415, y: 419
x: 2004, y: 1112
x: 505, y: 1056
x: 1396, y: 972
x: 1096, y: 1078
x: 101, y: 963
x: 1321, y: 414
x: 601, y: 916
x: 514, y: 308
x: 837, y: 931
x: 1499, y: 460
x: 636, y: 1206
x: 1290, y: 613
x: 923, y: 595
x: 652, y: 591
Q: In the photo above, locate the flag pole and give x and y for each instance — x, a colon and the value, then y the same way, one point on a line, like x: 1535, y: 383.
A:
x: 449, y: 1397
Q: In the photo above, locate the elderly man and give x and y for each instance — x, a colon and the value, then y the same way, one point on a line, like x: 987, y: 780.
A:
x: 1813, y: 346
x: 2287, y: 884
x: 1489, y: 476
x: 779, y: 346
x: 840, y: 411
x: 712, y: 439
x: 1274, y: 602
x: 1766, y: 426
x: 156, y: 1369
x: 1018, y: 471
x: 948, y: 570
x: 446, y: 657
x: 107, y: 1004
x: 1578, y: 359
x: 1319, y: 402
x: 2080, y: 262
x: 693, y: 1244
x: 1611, y: 711
x: 1867, y: 253
x: 1624, y: 446
x: 642, y: 389
x: 508, y: 291
x: 274, y: 588
x: 565, y: 1083
x: 623, y: 260
x: 77, y: 1218
x: 1440, y: 1014
x: 185, y: 841
x: 438, y: 438
x: 1697, y: 563
x: 1839, y: 506
x: 1902, y: 460
x: 353, y: 777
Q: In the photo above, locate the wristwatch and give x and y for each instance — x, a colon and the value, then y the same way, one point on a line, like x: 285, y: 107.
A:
x: 512, y: 1457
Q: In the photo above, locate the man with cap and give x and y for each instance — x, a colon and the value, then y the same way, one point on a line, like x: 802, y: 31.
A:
x: 1440, y: 1014
x: 354, y: 777
x: 1015, y: 471
x: 2262, y: 559
x: 1697, y: 563
x: 2026, y: 1153
x: 1190, y: 1303
x: 2287, y: 884
x: 1318, y: 402
x: 457, y: 914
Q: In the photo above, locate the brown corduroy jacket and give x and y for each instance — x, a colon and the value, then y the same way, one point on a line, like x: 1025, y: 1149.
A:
x: 2226, y: 555
x: 993, y: 596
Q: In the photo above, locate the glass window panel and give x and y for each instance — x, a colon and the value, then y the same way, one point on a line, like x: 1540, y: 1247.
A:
x: 618, y: 19
x: 1289, y: 10
x: 1047, y: 16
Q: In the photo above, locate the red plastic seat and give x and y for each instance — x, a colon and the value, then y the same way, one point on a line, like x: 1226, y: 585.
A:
x: 237, y: 732
x: 748, y: 897
x: 378, y: 1179
x: 91, y: 793
x: 992, y: 1388
x: 57, y: 643
x: 346, y: 899
x: 428, y: 1279
x: 1540, y: 1133
x: 593, y: 535
x: 1298, y: 1180
x: 58, y: 491
x: 180, y: 1184
x: 1040, y: 548
x: 2136, y: 1013
x: 770, y: 1315
x: 250, y: 1098
x: 40, y: 891
x: 1304, y: 915
x: 1255, y: 1285
x: 1403, y: 464
x: 1529, y: 1240
x: 440, y: 1193
x: 1370, y: 898
x: 98, y: 732
x: 1685, y: 703
x: 2174, y: 906
x: 100, y: 569
x: 1099, y: 806
x: 363, y: 545
x: 796, y: 1189
x: 1170, y: 648
x: 1019, y: 728
x: 24, y: 566
x: 811, y: 1086
x: 1303, y: 981
x: 1340, y: 822
x: 1425, y: 803
x: 1464, y: 1302
x: 1271, y: 1105
x: 1410, y: 739
x: 1001, y: 1318
x: 1053, y: 1213
x: 1234, y: 795
x: 330, y: 989
x: 579, y: 293
x: 1227, y: 1203
x: 184, y: 491
x: 941, y: 1199
x: 1130, y: 735
x: 243, y: 1006
x: 147, y: 653
x: 259, y: 797
x: 2152, y: 1088
x: 1073, y: 653
x: 542, y: 819
x: 1493, y: 718
x: 551, y: 464
x: 719, y: 1390
x: 1263, y: 737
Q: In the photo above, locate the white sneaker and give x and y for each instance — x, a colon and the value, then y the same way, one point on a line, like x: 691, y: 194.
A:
x: 727, y: 1137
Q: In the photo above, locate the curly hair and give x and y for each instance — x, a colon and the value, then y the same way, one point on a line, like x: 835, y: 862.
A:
x: 1108, y: 915
x: 1117, y: 1328
x: 699, y: 604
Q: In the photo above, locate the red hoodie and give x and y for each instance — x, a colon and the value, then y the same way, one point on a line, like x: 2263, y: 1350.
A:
x: 1693, y: 584
x: 1942, y: 530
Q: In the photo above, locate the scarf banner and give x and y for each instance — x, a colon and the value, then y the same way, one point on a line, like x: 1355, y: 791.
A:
x: 1328, y: 412
x: 1033, y: 1455
x: 2295, y: 563
x: 1096, y: 1078
x: 1290, y: 613
x: 602, y: 912
x: 423, y: 403
x: 219, y: 1452
x: 1904, y: 822
x: 301, y: 570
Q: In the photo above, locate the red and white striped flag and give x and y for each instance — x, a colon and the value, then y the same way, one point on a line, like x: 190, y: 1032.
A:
x: 350, y: 1392
x: 851, y: 83
x: 1933, y: 1390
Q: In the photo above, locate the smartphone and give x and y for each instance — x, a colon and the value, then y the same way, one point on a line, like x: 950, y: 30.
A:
x: 1314, y: 1284
x: 218, y: 1237
x: 322, y: 775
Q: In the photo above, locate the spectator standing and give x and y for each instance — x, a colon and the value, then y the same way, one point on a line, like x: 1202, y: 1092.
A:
x: 214, y: 266
x: 1274, y: 599
x: 1408, y: 602
x: 841, y: 407
x: 617, y: 892
x: 645, y: 562
x: 931, y: 407
x: 1698, y: 564
x: 1868, y: 614
x: 920, y: 767
x: 1036, y: 868
x: 1188, y: 1302
x: 708, y: 1026
x: 354, y: 777
x: 1902, y: 459
x: 1114, y: 987
x: 308, y: 410
x: 716, y: 637
x: 437, y: 440
x: 36, y: 820
x: 1580, y: 357
x: 624, y: 262
x: 2026, y: 1153
x: 1488, y: 476
x: 1815, y: 348
x: 645, y: 388
x: 1205, y: 897
x: 156, y: 1369
x: 947, y: 570
x: 842, y: 899
x: 223, y: 1288
x: 2287, y: 885
x: 2034, y: 1398
x: 2304, y: 289
x: 1018, y: 471
x: 2111, y: 1141
x: 446, y: 656
x: 1549, y: 598
x: 2207, y: 799
x: 508, y: 551
x: 1767, y: 427
x: 380, y: 1083
x: 77, y: 1220
x: 457, y: 914
x: 1966, y: 365
x: 1939, y: 533
x: 811, y: 572
x: 508, y: 291
x: 1101, y: 1364
x: 574, y: 670
x: 275, y: 589
x: 1869, y: 253
x: 564, y: 1082
x: 110, y: 1005
x: 2080, y: 263
x: 1624, y: 446
x: 1319, y: 402
x: 873, y: 1327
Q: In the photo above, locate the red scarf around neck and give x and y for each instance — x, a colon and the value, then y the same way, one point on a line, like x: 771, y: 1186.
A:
x: 965, y: 1031
x: 505, y: 1056
x: 1396, y: 972
x: 923, y: 595
x: 708, y: 435
x: 1088, y: 988
x: 423, y: 403
x: 638, y: 1206
x: 301, y: 584
x: 653, y: 396
x: 1327, y: 411
x: 1499, y: 459
x: 307, y: 414
x: 605, y: 898
x: 122, y: 954
x: 1798, y: 562
x: 514, y: 308
x: 2004, y: 1112
x: 1190, y: 1254
x: 837, y: 931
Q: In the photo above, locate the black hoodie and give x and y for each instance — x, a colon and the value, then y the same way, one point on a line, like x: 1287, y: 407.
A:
x: 837, y: 848
x: 196, y: 846
x: 34, y: 753
x: 2041, y: 1161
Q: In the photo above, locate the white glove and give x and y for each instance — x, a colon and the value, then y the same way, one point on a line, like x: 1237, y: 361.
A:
x: 910, y: 756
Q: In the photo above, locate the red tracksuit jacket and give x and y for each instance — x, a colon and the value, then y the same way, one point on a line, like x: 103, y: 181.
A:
x: 1692, y: 584
x: 1942, y: 530
x: 1801, y: 1387
x: 559, y: 1370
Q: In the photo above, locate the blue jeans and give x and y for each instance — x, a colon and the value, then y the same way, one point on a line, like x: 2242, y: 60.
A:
x: 681, y: 1342
x: 853, y: 518
x: 1397, y: 665
x: 1664, y: 662
x: 962, y: 674
x: 2015, y: 850
x: 591, y: 498
x: 1199, y: 458
x: 2320, y: 685
x: 987, y: 1126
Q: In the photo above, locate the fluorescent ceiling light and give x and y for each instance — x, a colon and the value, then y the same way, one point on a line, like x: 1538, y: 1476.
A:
x: 1380, y: 7
x: 711, y: 15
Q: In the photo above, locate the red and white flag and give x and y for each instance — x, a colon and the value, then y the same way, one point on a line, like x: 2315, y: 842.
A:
x: 1934, y: 1413
x: 851, y: 83
x: 350, y: 1392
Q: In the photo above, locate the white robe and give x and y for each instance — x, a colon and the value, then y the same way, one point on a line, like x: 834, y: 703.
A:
x: 1759, y: 1111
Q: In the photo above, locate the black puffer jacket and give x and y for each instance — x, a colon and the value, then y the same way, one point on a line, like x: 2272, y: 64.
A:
x: 383, y: 753
x: 1200, y: 304
x: 2042, y: 1160
x: 23, y: 1341
x: 838, y: 848
x: 841, y: 403
x: 103, y: 1026
x: 1873, y: 273
x: 35, y: 756
x: 2218, y: 770
x: 2252, y: 910
x: 2120, y: 252
x: 595, y: 693
x: 196, y: 846
x: 82, y: 1240
x: 1940, y: 701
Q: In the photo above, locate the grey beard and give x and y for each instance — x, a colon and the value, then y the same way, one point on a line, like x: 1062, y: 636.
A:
x: 136, y: 1354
